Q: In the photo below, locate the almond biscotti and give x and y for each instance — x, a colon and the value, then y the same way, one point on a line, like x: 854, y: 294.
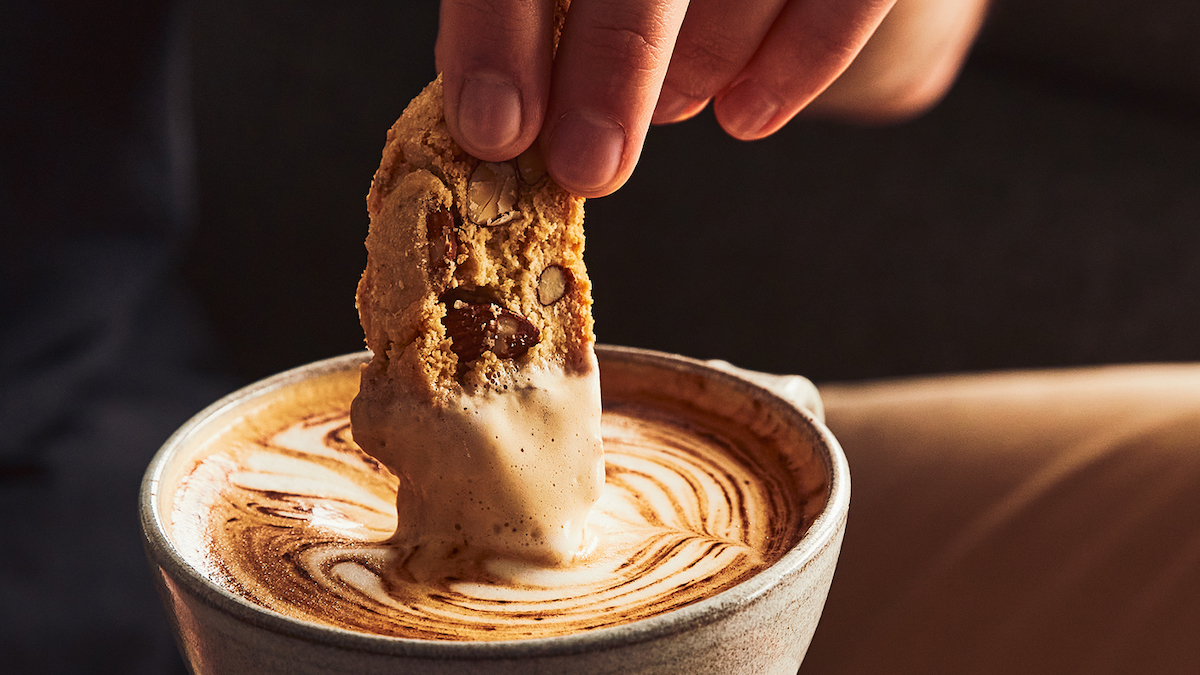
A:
x: 474, y: 269
x: 482, y: 394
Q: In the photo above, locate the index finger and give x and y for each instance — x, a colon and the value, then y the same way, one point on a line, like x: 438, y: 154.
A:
x: 494, y: 57
x: 607, y: 74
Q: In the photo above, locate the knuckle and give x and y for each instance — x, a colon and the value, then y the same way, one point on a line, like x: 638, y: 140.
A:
x: 625, y: 47
x: 836, y: 40
x: 631, y: 44
x: 833, y: 48
x: 701, y: 66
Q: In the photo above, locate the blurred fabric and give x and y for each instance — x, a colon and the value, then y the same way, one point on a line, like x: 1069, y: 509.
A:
x: 1022, y: 522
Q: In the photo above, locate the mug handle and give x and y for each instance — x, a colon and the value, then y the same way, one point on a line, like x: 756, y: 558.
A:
x: 795, y: 389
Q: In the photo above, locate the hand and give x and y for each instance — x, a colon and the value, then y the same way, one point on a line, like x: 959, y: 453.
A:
x: 624, y: 63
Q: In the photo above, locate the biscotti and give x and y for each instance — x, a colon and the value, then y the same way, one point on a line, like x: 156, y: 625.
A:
x: 475, y: 269
x: 483, y: 393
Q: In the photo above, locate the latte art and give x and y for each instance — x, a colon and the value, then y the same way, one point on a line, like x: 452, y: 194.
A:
x: 287, y: 512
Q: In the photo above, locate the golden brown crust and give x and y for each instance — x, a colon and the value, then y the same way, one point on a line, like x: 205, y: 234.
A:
x: 427, y: 186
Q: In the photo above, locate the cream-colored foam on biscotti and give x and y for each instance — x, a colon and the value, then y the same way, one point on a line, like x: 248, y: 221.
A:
x: 483, y: 393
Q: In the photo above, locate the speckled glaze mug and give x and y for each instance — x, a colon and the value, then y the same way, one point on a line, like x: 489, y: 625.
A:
x: 762, y: 625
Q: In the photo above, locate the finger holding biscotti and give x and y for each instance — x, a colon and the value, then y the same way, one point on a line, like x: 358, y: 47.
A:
x: 606, y: 79
x: 495, y: 62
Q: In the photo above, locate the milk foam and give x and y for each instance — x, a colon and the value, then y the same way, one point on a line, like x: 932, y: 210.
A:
x: 512, y: 473
x: 284, y: 509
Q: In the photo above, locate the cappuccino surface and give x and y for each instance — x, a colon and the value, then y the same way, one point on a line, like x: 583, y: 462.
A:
x: 280, y: 506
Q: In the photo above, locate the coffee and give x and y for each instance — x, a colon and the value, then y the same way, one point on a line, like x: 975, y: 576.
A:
x: 280, y: 507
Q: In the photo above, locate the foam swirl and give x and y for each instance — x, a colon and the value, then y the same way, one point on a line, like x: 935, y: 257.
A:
x: 297, y: 519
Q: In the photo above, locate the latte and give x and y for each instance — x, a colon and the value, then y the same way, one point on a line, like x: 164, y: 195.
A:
x: 282, y: 508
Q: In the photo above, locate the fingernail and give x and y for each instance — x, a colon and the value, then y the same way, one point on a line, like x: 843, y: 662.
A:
x: 585, y: 150
x: 489, y: 112
x: 747, y: 108
x: 673, y: 107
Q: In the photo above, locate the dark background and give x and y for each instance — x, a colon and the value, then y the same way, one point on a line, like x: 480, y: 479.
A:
x: 1044, y: 214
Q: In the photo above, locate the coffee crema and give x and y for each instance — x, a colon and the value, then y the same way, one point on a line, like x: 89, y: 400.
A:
x: 282, y: 508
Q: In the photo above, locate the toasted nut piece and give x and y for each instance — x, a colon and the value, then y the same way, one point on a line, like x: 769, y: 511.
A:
x: 476, y: 324
x: 492, y: 194
x: 514, y: 335
x: 472, y: 329
x: 553, y: 283
x: 470, y: 295
x: 443, y: 239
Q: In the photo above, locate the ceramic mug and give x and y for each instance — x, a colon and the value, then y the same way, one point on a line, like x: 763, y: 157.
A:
x: 761, y: 626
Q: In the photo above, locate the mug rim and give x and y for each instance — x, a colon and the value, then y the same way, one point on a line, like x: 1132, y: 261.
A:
x: 816, y: 538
